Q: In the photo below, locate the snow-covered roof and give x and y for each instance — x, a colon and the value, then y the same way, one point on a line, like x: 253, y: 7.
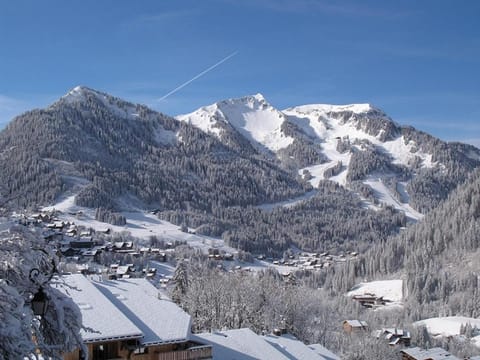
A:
x: 98, y: 313
x: 429, y: 354
x: 239, y: 344
x: 159, y: 319
x: 294, y: 348
x: 357, y: 323
x: 244, y: 344
x: 323, y: 351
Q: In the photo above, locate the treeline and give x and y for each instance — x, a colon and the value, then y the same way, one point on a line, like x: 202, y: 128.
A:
x: 107, y: 216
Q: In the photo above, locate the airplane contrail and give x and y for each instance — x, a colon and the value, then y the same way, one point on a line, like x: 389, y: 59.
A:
x: 197, y: 76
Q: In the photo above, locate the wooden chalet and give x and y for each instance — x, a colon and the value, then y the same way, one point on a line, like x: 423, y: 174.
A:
x: 370, y: 300
x: 394, y: 336
x: 127, y: 319
x: 354, y: 326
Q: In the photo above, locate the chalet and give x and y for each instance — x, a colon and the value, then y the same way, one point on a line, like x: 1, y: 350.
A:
x: 144, y: 250
x: 370, y: 300
x: 123, y: 246
x: 124, y: 270
x: 127, y: 319
x: 53, y: 236
x: 213, y: 253
x: 91, y: 253
x: 394, y: 336
x: 354, y: 326
x: 417, y: 353
x: 82, y: 243
x: 56, y: 225
x: 71, y: 230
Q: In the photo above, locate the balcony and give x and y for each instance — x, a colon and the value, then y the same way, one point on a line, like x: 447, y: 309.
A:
x: 203, y: 352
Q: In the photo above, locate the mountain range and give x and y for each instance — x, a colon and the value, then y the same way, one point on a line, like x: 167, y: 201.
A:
x: 350, y: 162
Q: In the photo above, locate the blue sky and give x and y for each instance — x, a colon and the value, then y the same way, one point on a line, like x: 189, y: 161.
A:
x: 417, y: 60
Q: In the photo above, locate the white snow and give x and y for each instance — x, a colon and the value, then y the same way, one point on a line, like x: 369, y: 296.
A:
x: 389, y: 289
x: 404, y: 154
x: 252, y: 116
x: 98, y: 313
x: 159, y: 318
x: 244, y: 344
x: 124, y: 110
x: 141, y: 225
x: 321, y: 350
x: 450, y: 326
x: 384, y: 195
x: 239, y: 344
x: 317, y: 171
x: 355, y: 108
x: 295, y: 349
x: 288, y: 203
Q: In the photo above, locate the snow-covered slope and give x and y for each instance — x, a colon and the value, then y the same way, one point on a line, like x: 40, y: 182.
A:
x: 117, y: 106
x: 451, y: 326
x: 355, y: 123
x: 334, y: 131
x: 388, y: 289
x: 251, y: 116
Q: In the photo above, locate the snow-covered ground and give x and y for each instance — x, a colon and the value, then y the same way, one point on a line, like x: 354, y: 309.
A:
x: 384, y: 195
x: 390, y: 290
x: 141, y: 225
x: 288, y: 203
x: 317, y: 171
x: 450, y: 326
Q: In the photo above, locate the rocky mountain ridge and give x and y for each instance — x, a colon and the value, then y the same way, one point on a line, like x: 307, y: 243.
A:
x: 356, y: 145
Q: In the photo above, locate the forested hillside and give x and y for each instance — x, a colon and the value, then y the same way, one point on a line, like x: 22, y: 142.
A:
x: 438, y: 256
x: 115, y: 149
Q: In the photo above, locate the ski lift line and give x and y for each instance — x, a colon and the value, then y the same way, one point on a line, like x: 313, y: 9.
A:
x: 197, y: 76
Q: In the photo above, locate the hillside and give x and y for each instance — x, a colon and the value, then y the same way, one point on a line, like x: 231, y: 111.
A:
x: 358, y: 146
x: 313, y: 177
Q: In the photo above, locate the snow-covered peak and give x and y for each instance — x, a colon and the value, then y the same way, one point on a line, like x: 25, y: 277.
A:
x: 328, y: 108
x: 119, y: 107
x: 251, y: 115
x: 80, y: 92
x: 253, y: 102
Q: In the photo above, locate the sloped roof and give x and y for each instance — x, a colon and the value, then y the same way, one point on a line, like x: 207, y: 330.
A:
x: 159, y: 319
x: 356, y: 323
x: 126, y: 309
x: 429, y: 354
x: 244, y: 344
x: 295, y: 349
x: 323, y: 351
x: 98, y: 314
